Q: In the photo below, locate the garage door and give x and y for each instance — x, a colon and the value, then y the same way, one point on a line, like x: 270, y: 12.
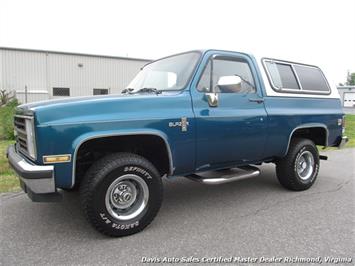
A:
x: 349, y: 99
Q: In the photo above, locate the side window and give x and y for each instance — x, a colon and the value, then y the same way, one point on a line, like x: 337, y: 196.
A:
x: 282, y: 76
x: 205, y: 83
x: 295, y: 77
x: 311, y: 78
x: 227, y: 75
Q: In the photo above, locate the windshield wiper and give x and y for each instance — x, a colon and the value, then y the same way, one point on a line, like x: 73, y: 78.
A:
x: 154, y: 90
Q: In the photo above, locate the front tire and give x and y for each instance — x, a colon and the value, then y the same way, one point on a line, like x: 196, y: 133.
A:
x: 121, y: 194
x: 298, y: 170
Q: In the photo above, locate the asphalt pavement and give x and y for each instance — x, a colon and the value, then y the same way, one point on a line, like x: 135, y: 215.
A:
x: 249, y: 218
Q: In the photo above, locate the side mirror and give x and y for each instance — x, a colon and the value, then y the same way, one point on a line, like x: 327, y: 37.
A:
x: 229, y: 84
x: 212, y: 99
x: 234, y: 80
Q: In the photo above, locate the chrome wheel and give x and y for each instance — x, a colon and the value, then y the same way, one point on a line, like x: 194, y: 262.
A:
x: 127, y: 197
x: 305, y: 165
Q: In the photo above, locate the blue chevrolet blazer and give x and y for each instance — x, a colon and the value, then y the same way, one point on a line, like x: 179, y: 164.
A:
x: 209, y: 115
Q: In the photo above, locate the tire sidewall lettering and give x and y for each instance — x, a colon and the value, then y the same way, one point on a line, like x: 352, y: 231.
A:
x: 104, y: 216
x: 121, y: 226
x: 316, y: 165
x: 137, y: 169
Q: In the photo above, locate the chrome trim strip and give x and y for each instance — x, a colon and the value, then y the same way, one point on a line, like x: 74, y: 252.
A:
x: 296, y: 76
x: 311, y: 125
x: 25, y: 116
x: 171, y: 167
x: 56, y: 155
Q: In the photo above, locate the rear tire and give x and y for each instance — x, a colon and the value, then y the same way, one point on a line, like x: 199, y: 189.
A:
x: 121, y: 194
x: 298, y: 170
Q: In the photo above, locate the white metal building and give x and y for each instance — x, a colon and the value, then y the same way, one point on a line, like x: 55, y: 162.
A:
x: 51, y: 75
x: 347, y: 95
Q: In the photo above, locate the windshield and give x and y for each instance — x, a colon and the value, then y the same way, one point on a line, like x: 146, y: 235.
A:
x: 171, y: 73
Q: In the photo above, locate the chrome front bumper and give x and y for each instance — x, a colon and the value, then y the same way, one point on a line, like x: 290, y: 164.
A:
x: 36, y: 180
x: 343, y: 141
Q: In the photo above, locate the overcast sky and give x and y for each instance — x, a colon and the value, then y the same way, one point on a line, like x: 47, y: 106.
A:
x: 316, y: 32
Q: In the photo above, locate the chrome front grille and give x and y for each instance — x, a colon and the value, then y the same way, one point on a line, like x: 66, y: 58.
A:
x: 21, y: 132
x: 22, y: 142
x: 20, y: 123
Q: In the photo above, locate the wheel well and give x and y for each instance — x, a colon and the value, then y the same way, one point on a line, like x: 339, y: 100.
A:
x: 318, y: 135
x: 151, y: 147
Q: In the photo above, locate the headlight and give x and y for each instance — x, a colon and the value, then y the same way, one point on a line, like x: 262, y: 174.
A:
x: 31, y: 146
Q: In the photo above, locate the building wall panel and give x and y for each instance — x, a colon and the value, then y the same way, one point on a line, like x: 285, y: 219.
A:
x: 22, y: 69
x: 83, y: 74
x: 40, y: 71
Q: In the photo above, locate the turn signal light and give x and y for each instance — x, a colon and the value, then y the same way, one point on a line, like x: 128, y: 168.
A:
x: 57, y: 158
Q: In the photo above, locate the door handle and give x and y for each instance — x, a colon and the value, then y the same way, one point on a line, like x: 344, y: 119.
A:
x: 256, y: 100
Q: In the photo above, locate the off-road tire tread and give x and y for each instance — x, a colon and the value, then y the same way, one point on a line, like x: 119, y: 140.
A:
x: 285, y: 166
x: 103, y: 167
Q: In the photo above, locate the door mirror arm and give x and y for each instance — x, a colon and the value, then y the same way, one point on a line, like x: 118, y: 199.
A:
x: 212, y: 98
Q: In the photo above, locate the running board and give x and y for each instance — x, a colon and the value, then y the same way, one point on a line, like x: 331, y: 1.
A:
x: 225, y: 176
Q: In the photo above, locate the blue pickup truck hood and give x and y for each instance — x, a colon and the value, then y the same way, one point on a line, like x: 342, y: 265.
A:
x: 95, y: 108
x: 68, y: 100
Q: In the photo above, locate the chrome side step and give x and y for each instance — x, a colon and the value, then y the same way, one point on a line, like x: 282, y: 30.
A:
x: 225, y: 176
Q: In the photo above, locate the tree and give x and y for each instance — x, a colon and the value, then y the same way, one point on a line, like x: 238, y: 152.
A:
x: 351, y: 79
x: 6, y: 97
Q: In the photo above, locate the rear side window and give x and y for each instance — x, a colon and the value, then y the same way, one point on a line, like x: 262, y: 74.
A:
x: 282, y: 76
x: 311, y: 78
x: 293, y: 77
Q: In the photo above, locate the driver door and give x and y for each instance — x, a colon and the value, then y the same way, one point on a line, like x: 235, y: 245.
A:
x: 229, y: 111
